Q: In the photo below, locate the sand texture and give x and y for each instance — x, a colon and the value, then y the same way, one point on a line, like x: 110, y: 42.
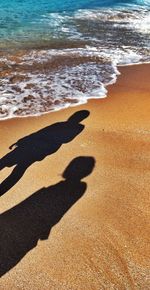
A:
x: 75, y: 210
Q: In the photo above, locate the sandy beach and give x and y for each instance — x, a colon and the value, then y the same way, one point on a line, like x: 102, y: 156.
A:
x: 95, y: 233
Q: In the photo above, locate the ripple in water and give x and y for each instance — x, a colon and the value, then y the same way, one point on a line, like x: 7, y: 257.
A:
x: 72, y: 57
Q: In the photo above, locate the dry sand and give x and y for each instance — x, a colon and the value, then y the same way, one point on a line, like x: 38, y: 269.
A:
x: 102, y: 240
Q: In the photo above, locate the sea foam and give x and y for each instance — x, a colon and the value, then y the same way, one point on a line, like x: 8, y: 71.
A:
x: 73, y: 57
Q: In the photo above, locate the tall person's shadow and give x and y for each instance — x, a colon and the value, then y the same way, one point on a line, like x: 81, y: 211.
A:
x: 22, y: 226
x: 37, y: 146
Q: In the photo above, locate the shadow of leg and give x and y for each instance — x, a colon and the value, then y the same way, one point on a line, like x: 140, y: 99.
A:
x: 8, y: 160
x: 12, y: 179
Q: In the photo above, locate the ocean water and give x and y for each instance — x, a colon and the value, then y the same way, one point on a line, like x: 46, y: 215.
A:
x: 55, y: 54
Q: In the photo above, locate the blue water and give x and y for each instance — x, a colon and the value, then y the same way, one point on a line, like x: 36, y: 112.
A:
x: 23, y: 20
x: 56, y: 53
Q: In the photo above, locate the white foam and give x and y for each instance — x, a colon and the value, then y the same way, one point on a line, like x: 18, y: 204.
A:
x: 34, y: 86
x: 36, y: 93
x: 119, y: 15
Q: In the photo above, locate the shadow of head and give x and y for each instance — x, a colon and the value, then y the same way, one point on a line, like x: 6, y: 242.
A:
x: 79, y: 168
x: 78, y: 116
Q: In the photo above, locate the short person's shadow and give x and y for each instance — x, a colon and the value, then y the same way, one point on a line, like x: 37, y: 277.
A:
x: 22, y: 226
x: 37, y: 146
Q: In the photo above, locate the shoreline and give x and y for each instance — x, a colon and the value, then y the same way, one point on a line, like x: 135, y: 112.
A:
x: 102, y: 240
x: 106, y: 87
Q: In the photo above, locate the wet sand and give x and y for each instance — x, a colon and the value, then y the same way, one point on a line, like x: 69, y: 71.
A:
x: 100, y: 239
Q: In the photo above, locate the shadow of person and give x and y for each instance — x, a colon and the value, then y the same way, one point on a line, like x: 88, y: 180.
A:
x: 22, y: 226
x: 37, y: 146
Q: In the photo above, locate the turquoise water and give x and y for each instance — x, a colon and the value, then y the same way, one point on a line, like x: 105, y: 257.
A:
x: 28, y: 21
x: 55, y: 54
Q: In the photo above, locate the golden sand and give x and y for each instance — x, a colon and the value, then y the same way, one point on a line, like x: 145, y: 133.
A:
x: 102, y: 240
